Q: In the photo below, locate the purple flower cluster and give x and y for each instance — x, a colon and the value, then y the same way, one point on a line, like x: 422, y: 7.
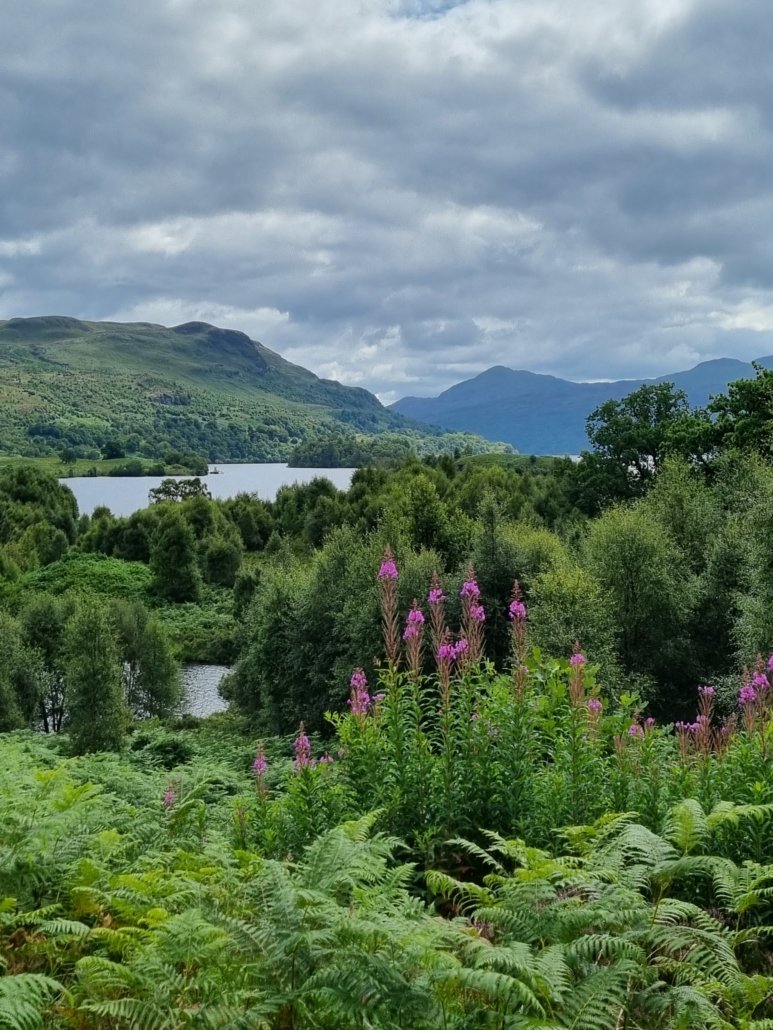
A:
x: 451, y: 652
x: 414, y: 624
x: 577, y: 659
x: 359, y: 680
x: 594, y: 705
x: 747, y: 695
x: 470, y: 590
x: 760, y: 681
x: 635, y: 730
x: 170, y: 796
x: 260, y: 765
x: 302, y: 748
x: 700, y: 725
x: 706, y: 691
x: 359, y: 702
x: 517, y: 611
x: 446, y: 653
x: 436, y: 596
x: 770, y: 663
x: 388, y: 569
x: 477, y: 613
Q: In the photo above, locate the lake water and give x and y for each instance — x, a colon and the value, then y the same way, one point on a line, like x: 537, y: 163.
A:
x: 125, y: 495
x: 201, y: 683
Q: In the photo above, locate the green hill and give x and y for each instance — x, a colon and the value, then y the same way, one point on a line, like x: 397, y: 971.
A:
x: 72, y: 385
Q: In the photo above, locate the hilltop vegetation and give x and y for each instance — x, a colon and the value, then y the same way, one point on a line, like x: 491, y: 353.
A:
x: 94, y: 389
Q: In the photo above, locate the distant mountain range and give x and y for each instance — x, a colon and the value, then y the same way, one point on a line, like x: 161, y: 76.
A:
x: 541, y: 414
x: 68, y: 384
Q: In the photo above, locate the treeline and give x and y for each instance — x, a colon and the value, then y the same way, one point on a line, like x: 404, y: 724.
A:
x: 654, y: 550
x: 385, y: 449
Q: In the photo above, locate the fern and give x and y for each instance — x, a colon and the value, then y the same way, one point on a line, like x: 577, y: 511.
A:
x: 24, y: 999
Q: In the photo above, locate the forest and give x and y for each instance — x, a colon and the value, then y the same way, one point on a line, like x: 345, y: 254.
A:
x: 497, y: 752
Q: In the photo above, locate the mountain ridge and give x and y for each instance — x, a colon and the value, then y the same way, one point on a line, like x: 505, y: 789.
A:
x: 70, y: 384
x: 540, y: 413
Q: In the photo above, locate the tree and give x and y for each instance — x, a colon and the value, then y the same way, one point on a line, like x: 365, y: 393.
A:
x: 173, y: 559
x: 222, y: 558
x: 43, y: 622
x: 630, y: 439
x: 17, y: 687
x: 744, y: 416
x: 178, y: 490
x: 113, y: 449
x: 647, y: 581
x: 97, y: 714
x: 151, y: 676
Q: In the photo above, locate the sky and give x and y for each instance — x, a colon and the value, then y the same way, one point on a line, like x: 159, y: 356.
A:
x: 398, y: 194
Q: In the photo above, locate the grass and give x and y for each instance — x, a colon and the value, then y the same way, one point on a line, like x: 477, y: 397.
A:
x: 52, y: 464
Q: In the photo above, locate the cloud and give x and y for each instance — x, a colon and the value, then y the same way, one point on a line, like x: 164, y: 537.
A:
x: 398, y: 193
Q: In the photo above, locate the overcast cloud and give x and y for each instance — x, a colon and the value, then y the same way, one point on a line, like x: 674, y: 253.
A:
x: 398, y: 193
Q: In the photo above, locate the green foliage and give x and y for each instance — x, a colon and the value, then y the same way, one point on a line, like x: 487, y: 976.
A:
x: 151, y: 677
x: 645, y: 579
x: 173, y: 562
x: 95, y: 703
x: 94, y: 574
x: 145, y: 914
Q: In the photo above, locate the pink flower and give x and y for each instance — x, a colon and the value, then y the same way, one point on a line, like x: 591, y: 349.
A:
x: 170, y: 796
x: 760, y: 681
x: 706, y: 691
x: 414, y: 624
x: 470, y: 589
x: 577, y: 659
x: 260, y: 765
x: 517, y: 611
x: 358, y: 680
x: 635, y: 730
x: 388, y: 569
x: 594, y: 704
x: 477, y: 613
x: 302, y: 748
x: 770, y: 663
x: 446, y: 653
x: 461, y: 648
x: 359, y: 701
x: 436, y: 596
x: 747, y: 695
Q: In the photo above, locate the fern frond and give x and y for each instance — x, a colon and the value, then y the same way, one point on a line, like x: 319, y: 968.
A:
x: 687, y: 826
x: 23, y: 998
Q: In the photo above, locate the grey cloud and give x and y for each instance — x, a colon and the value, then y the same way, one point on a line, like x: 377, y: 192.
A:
x: 398, y: 192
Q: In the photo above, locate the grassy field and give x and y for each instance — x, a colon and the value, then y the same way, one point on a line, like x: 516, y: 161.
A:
x: 87, y: 466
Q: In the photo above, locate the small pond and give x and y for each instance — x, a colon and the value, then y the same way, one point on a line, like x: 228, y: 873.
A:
x: 201, y: 682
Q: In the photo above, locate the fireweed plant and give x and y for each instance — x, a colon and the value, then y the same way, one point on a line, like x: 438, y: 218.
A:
x: 444, y: 746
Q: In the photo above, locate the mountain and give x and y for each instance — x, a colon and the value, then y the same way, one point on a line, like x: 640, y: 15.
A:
x: 70, y: 384
x: 541, y: 414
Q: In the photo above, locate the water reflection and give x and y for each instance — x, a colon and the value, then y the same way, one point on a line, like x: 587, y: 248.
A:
x: 126, y: 495
x: 200, y: 683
